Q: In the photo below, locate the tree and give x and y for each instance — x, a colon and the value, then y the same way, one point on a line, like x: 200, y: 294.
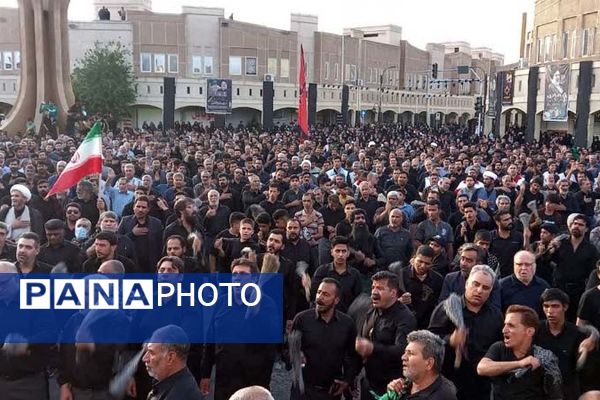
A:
x: 103, y: 80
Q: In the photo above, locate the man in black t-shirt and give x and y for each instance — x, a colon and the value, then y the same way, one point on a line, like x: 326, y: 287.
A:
x: 518, y: 369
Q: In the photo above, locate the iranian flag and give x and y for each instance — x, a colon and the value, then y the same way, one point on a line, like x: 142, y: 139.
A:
x: 86, y: 160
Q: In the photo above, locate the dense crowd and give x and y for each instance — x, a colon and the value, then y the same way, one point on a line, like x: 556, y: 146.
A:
x: 417, y: 262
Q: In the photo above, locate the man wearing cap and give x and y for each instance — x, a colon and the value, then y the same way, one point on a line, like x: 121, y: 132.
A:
x: 21, y: 218
x: 166, y: 361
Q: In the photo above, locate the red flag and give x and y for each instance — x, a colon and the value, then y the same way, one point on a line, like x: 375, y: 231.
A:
x: 303, y: 103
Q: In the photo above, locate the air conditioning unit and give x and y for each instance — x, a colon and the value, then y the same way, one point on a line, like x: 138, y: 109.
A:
x: 269, y: 78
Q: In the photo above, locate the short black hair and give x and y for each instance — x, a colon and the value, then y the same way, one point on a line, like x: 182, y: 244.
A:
x: 278, y: 214
x: 552, y: 294
x: 425, y: 251
x: 390, y: 277
x: 263, y: 218
x: 54, y: 225
x: 335, y: 282
x: 236, y: 216
x: 339, y: 240
x: 110, y: 237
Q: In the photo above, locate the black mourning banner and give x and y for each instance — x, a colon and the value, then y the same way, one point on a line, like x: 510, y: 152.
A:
x: 218, y: 99
x: 556, y: 95
x: 508, y: 87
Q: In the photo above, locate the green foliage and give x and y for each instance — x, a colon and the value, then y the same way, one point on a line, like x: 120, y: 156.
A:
x: 103, y: 80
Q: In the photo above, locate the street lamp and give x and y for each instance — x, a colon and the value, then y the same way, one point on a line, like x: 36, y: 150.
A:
x: 379, y: 115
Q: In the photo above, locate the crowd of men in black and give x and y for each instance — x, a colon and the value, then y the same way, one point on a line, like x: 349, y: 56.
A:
x: 417, y: 263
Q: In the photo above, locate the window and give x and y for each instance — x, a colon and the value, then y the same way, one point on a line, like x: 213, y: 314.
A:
x: 326, y: 73
x: 8, y: 60
x: 456, y: 49
x: 520, y: 85
x: 587, y: 44
x: 335, y: 72
x: 17, y: 60
x: 146, y: 62
x: 162, y: 89
x: 547, y: 48
x: 235, y: 65
x: 285, y: 68
x: 574, y: 45
x: 251, y: 66
x: 272, y: 66
x: 196, y: 64
x: 208, y: 65
x: 285, y: 93
x: 159, y: 63
x: 237, y: 91
x: 173, y: 63
x: 249, y: 92
x: 565, y: 45
x: 188, y: 90
x: 352, y: 72
x: 347, y: 72
x: 148, y: 89
x: 540, y: 50
x: 200, y: 90
x: 554, y: 47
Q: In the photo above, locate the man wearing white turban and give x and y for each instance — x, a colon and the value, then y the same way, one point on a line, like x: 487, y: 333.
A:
x: 20, y: 217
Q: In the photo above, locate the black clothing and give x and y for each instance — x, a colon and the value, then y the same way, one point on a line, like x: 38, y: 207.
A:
x: 179, y: 386
x: 565, y: 346
x: 91, y: 265
x: 233, y: 249
x: 38, y: 355
x: 331, y: 217
x: 66, y: 252
x: 485, y: 328
x: 9, y: 252
x: 328, y: 348
x: 39, y: 267
x: 177, y: 228
x: 424, y: 293
x: 388, y: 334
x: 89, y: 209
x: 349, y: 281
x: 270, y: 208
x: 572, y: 270
x: 215, y: 224
x: 125, y: 246
x: 440, y: 389
x: 370, y: 206
x: 530, y: 386
x: 505, y: 250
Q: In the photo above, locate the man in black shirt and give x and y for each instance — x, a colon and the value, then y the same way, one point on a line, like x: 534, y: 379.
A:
x: 589, y: 314
x: 105, y: 249
x: 348, y: 277
x: 575, y: 258
x: 57, y: 249
x: 327, y: 342
x: 28, y: 249
x: 382, y: 338
x: 165, y: 359
x: 506, y: 241
x: 420, y: 286
x: 563, y: 338
x: 516, y: 371
x: 422, y: 369
x: 483, y: 322
x: 272, y: 203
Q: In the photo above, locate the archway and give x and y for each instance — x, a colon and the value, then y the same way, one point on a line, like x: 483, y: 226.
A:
x: 192, y: 114
x: 389, y: 116
x: 285, y: 115
x: 595, y: 116
x: 406, y: 117
x: 514, y: 117
x: 326, y: 116
x: 5, y: 108
x: 421, y: 118
x: 464, y: 118
x: 451, y: 118
x: 145, y: 113
x: 245, y: 115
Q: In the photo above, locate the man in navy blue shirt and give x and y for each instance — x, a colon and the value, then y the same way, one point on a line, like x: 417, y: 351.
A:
x: 523, y: 287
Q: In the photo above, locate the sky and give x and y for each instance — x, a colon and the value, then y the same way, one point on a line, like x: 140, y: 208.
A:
x: 483, y: 23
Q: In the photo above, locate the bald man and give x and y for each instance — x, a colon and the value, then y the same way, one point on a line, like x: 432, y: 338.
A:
x: 252, y: 393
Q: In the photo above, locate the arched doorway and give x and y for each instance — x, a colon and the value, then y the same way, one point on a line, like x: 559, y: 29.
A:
x: 145, y: 113
x: 389, y: 116
x: 5, y: 108
x: 326, y: 116
x: 406, y: 117
x: 514, y: 117
x: 285, y: 115
x: 244, y: 115
x: 192, y: 114
x: 452, y: 118
x: 464, y: 118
